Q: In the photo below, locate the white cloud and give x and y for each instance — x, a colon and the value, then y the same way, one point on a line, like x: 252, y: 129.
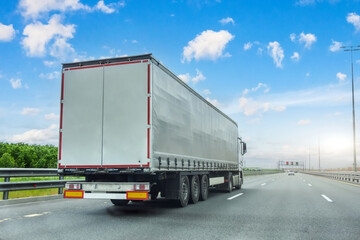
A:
x: 250, y: 107
x: 207, y: 45
x: 259, y: 51
x: 7, y: 32
x: 303, y: 122
x: 50, y: 76
x: 185, y: 77
x: 16, y: 83
x: 206, y: 92
x: 354, y: 19
x: 134, y: 41
x: 51, y: 117
x: 49, y: 63
x: 305, y: 2
x: 335, y: 46
x: 214, y: 102
x: 227, y: 20
x: 276, y: 52
x: 295, y: 56
x: 337, y: 113
x: 278, y: 108
x: 35, y: 8
x: 37, y: 136
x: 30, y: 111
x: 261, y: 85
x: 341, y: 76
x: 104, y: 8
x: 172, y: 15
x: 38, y: 36
x: 199, y: 77
x: 247, y: 46
x: 61, y: 49
x: 293, y: 37
x: 308, y: 39
x: 307, y: 74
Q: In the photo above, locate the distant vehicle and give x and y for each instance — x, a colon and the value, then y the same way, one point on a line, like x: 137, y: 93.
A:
x: 134, y: 130
x: 291, y: 173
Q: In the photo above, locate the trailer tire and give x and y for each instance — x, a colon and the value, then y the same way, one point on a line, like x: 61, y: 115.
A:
x: 204, y: 187
x: 184, y: 191
x: 229, y: 184
x: 195, y: 189
x: 154, y: 194
x: 240, y: 183
x: 118, y: 202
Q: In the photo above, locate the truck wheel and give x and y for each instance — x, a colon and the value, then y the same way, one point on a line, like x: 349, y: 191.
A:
x: 204, y: 188
x: 229, y: 184
x: 118, y: 202
x: 195, y: 189
x: 184, y: 192
x: 240, y: 182
x: 154, y: 195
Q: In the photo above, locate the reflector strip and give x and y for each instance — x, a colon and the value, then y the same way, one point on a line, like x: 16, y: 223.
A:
x: 61, y: 114
x: 148, y: 143
x: 60, y: 141
x: 109, y: 166
x: 62, y: 86
x: 137, y: 195
x: 73, y: 194
x: 148, y: 78
x: 148, y: 115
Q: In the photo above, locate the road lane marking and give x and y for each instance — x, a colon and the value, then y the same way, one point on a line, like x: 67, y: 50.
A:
x: 263, y: 184
x: 5, y: 219
x: 328, y: 199
x: 235, y: 196
x: 309, y: 185
x: 35, y: 214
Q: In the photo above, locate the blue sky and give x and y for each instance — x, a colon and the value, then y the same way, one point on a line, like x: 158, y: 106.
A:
x: 274, y: 66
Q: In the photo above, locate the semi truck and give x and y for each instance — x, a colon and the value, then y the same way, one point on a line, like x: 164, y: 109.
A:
x: 136, y: 132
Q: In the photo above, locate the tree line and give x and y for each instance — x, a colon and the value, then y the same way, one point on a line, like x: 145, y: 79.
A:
x: 21, y: 155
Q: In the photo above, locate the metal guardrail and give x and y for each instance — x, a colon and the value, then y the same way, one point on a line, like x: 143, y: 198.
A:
x: 8, y: 186
x: 353, y: 177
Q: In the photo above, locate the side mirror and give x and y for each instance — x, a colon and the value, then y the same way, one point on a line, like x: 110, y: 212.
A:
x: 243, y: 148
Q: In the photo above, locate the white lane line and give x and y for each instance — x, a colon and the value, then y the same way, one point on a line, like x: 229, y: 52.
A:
x: 263, y: 184
x: 309, y: 185
x: 35, y: 214
x: 328, y: 199
x: 235, y: 196
x: 5, y: 219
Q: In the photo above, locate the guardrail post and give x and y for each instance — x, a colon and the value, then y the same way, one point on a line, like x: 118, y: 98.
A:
x: 61, y: 189
x: 6, y: 193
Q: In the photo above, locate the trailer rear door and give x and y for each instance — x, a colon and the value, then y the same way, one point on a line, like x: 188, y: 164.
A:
x: 125, y: 115
x: 105, y: 116
x: 82, y: 118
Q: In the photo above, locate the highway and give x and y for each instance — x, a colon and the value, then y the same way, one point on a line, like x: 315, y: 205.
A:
x: 275, y: 206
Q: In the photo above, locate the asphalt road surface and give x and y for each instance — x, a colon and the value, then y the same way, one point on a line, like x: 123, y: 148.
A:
x: 274, y: 206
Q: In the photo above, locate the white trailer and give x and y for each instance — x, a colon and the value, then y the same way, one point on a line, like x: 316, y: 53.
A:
x: 134, y: 130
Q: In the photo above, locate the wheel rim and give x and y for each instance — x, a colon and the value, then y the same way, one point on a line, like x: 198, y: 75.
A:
x: 196, y: 189
x: 204, y: 185
x: 185, y: 190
